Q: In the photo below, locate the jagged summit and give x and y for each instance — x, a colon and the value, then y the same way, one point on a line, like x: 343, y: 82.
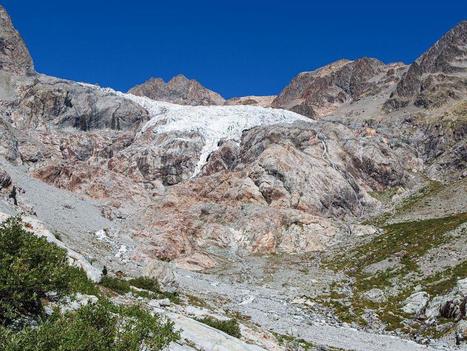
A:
x: 179, y: 90
x: 437, y: 75
x: 14, y: 55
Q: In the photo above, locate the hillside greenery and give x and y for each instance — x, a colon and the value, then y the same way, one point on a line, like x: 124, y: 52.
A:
x: 32, y: 268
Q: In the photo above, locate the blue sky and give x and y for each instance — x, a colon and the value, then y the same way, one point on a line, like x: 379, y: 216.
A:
x: 233, y: 47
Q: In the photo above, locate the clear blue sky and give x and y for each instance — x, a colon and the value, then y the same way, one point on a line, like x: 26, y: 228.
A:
x: 233, y: 47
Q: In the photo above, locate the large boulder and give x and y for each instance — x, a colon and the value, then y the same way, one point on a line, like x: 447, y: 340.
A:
x: 416, y: 303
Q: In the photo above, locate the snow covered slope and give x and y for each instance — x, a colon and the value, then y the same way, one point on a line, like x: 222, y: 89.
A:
x: 214, y: 123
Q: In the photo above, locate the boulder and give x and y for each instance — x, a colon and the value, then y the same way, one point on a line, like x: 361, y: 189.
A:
x: 461, y: 287
x: 375, y: 295
x: 164, y: 272
x: 416, y: 303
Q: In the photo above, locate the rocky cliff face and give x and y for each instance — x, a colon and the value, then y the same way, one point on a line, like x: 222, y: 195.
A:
x: 14, y: 56
x: 437, y: 76
x: 178, y: 90
x: 45, y: 102
x: 321, y: 92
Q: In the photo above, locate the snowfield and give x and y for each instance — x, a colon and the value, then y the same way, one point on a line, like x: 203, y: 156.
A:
x: 214, y: 123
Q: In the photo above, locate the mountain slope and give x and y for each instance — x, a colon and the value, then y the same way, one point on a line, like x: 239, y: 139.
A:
x: 291, y: 219
x: 321, y: 92
x: 437, y: 76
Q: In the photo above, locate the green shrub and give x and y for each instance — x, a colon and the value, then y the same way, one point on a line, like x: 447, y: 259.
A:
x: 150, y: 288
x: 153, y: 286
x: 120, y: 286
x: 29, y: 268
x: 99, y: 327
x: 230, y: 326
x: 146, y: 283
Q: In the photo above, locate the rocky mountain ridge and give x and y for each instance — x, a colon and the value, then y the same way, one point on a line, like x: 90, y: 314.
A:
x: 241, y: 192
x: 178, y: 90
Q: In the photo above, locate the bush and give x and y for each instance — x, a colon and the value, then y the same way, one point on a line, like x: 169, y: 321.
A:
x: 230, y: 326
x: 99, y: 327
x: 152, y: 287
x: 29, y: 268
x: 146, y: 283
x: 120, y: 286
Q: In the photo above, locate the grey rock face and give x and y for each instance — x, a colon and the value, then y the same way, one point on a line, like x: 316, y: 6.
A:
x: 169, y: 157
x: 224, y: 158
x: 14, y: 56
x: 179, y: 90
x: 320, y: 92
x: 48, y: 102
x: 8, y: 142
x: 437, y: 76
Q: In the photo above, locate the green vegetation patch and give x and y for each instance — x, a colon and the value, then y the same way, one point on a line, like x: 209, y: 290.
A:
x: 230, y: 326
x: 99, y: 327
x: 407, y: 241
x: 29, y: 268
x: 294, y: 343
x: 430, y: 189
x: 150, y: 288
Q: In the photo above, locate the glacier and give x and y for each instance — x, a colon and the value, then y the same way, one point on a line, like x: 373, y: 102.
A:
x: 214, y: 123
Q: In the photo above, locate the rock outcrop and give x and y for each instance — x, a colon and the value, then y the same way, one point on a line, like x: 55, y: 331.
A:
x: 14, y: 56
x: 322, y: 91
x: 437, y: 76
x: 179, y: 90
x: 46, y: 102
x: 263, y: 101
x: 5, y: 179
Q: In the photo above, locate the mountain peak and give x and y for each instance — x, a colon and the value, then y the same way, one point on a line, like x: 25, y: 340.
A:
x: 180, y: 78
x: 179, y: 90
x: 14, y: 55
x: 445, y: 62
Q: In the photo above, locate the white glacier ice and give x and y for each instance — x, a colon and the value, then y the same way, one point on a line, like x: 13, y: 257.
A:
x: 214, y: 123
